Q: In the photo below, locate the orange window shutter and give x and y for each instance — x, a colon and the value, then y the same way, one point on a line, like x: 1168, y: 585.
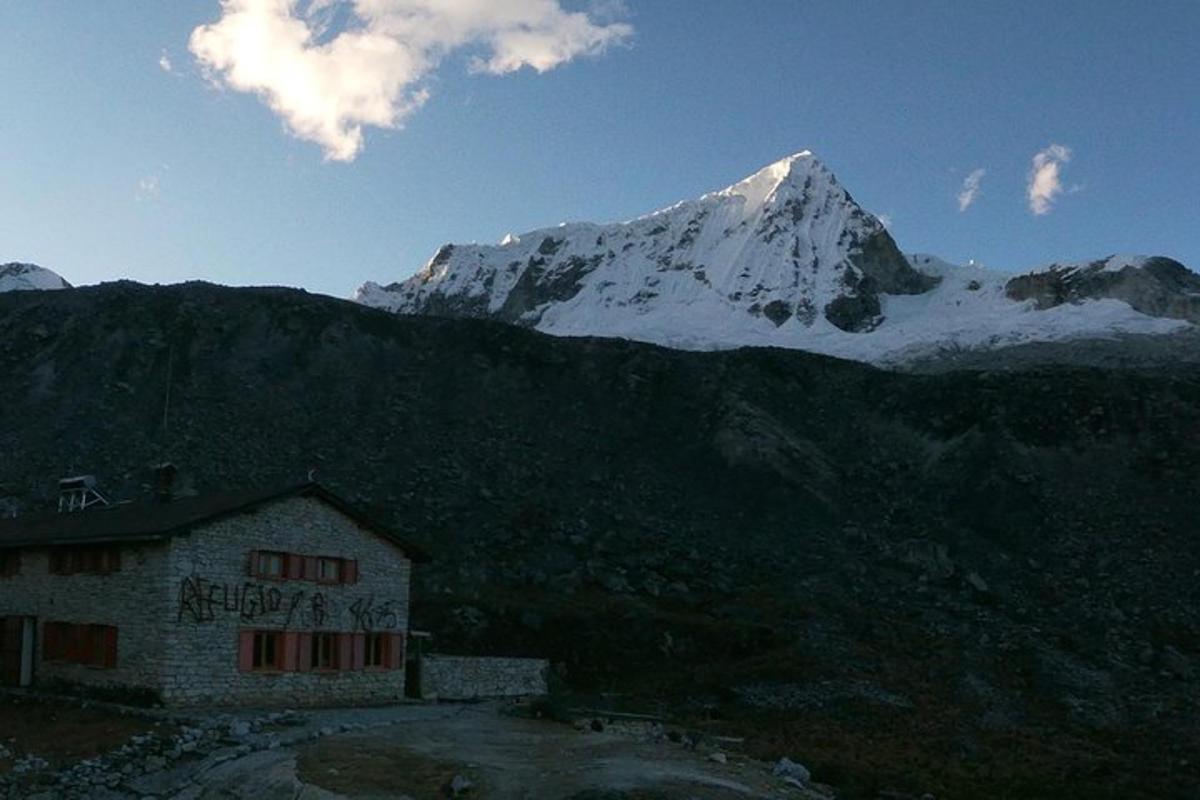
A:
x: 395, y: 651
x: 304, y: 652
x: 294, y: 567
x: 345, y: 650
x: 110, y: 647
x: 349, y: 571
x: 291, y: 651
x: 252, y: 564
x: 359, y: 652
x: 245, y: 651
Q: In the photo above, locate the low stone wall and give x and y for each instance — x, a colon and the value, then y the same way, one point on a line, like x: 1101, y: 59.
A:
x: 470, y: 678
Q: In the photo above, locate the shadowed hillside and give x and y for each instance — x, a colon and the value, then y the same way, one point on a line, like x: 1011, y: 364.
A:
x: 971, y: 583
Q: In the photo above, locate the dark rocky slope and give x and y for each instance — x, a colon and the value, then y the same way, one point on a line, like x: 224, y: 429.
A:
x: 1161, y: 287
x: 973, y: 584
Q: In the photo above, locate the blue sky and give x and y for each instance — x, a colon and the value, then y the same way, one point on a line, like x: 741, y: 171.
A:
x: 112, y: 166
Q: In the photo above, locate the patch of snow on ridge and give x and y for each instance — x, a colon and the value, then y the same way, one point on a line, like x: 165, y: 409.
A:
x: 18, y: 277
x: 1114, y: 263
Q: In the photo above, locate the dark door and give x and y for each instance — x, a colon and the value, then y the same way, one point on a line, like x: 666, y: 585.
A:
x: 11, y: 635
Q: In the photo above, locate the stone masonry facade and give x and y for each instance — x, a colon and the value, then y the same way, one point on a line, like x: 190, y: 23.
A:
x: 214, y: 599
x: 133, y: 599
x: 187, y: 609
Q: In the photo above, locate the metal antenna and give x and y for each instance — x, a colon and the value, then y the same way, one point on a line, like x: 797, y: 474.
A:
x: 167, y: 397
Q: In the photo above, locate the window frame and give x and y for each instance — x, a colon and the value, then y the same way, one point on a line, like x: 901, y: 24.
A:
x: 339, y: 569
x: 375, y: 645
x: 258, y: 660
x: 325, y: 661
x: 92, y: 645
x: 88, y: 559
x: 270, y: 556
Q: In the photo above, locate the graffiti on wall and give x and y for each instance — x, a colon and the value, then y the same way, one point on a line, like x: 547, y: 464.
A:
x: 201, y: 600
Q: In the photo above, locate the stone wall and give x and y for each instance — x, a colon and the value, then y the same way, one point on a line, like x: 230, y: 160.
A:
x: 470, y: 678
x: 213, y: 598
x: 132, y: 599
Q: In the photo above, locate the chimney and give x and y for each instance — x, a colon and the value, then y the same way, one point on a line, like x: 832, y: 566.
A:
x: 79, y: 493
x: 164, y: 482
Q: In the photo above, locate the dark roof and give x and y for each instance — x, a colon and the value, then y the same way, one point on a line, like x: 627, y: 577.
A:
x: 157, y: 520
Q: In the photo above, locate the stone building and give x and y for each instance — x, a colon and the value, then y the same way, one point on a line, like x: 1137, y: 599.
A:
x: 255, y: 597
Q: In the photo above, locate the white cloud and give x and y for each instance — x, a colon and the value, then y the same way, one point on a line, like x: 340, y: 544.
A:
x: 970, y: 189
x: 885, y: 220
x: 1045, y: 178
x: 330, y: 67
x: 164, y: 62
x: 149, y: 187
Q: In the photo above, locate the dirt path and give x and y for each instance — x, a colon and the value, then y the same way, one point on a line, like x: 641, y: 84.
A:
x: 520, y: 758
x: 421, y: 750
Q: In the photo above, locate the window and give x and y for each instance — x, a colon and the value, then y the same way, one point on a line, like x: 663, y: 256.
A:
x: 276, y: 565
x: 298, y: 651
x: 267, y: 650
x: 376, y: 655
x: 268, y: 564
x: 324, y: 651
x: 87, y: 645
x: 10, y: 563
x: 329, y: 570
x: 88, y: 559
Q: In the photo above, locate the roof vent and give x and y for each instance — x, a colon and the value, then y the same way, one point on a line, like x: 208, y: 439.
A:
x: 79, y: 493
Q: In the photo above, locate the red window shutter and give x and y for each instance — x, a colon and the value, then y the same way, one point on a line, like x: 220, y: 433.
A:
x: 304, y: 652
x: 114, y: 560
x: 87, y: 649
x: 294, y: 566
x: 49, y: 641
x: 359, y: 652
x: 56, y: 640
x: 72, y: 635
x: 395, y: 651
x: 349, y: 570
x: 110, y: 647
x: 245, y: 651
x: 310, y: 568
x: 252, y: 564
x: 291, y: 651
x: 345, y: 650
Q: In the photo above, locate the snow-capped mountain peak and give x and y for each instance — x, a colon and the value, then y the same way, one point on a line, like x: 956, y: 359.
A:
x: 27, y: 277
x: 786, y: 246
x: 775, y: 179
x: 787, y: 258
